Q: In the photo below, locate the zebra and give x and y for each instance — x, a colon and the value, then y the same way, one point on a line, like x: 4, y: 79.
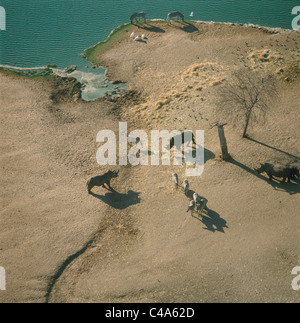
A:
x: 196, y: 198
x: 137, y: 15
x: 176, y: 15
x: 185, y: 186
x: 191, y: 206
x: 201, y: 206
x: 175, y: 179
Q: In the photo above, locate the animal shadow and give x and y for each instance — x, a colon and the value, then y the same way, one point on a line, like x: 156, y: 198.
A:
x: 192, y: 154
x: 188, y: 27
x: 150, y: 28
x: 211, y: 219
x: 177, y: 143
x: 142, y: 41
x: 290, y: 187
x: 118, y: 200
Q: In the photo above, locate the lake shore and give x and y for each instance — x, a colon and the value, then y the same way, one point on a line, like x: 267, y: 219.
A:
x: 116, y: 34
x: 163, y: 67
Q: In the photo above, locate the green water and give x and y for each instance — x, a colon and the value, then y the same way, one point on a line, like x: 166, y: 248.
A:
x: 41, y: 32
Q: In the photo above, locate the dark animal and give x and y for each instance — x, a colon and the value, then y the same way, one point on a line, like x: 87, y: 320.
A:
x: 184, y: 138
x: 175, y: 15
x: 101, y: 180
x: 295, y: 172
x: 137, y: 15
x: 278, y: 171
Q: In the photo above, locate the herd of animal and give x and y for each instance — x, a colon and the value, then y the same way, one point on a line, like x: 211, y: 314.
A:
x: 142, y: 15
x: 197, y: 202
x: 284, y: 172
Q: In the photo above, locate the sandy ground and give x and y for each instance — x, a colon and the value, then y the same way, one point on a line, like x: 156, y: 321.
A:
x: 138, y: 243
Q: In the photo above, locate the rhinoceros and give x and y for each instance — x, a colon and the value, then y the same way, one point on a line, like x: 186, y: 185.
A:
x: 101, y: 180
x: 295, y: 172
x: 278, y: 171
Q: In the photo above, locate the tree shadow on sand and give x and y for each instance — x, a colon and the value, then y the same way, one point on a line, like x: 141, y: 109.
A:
x: 211, y: 219
x: 274, y: 148
x: 118, y: 200
x: 291, y: 188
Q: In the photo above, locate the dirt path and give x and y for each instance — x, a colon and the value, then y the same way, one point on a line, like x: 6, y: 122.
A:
x: 47, y: 153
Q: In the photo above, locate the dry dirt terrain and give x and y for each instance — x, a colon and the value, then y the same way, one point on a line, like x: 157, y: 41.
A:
x: 137, y: 243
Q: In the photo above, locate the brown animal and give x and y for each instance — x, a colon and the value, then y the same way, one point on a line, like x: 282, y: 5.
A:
x: 183, y: 137
x: 101, y: 180
x: 278, y: 171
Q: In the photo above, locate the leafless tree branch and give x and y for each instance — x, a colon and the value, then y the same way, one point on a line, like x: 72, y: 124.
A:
x: 249, y: 96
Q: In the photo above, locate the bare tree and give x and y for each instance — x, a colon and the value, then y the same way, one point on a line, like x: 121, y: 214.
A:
x: 249, y: 95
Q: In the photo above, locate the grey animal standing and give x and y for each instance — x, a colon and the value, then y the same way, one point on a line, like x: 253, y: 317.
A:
x: 191, y: 206
x: 278, y: 171
x: 101, y: 180
x: 196, y: 198
x: 175, y: 179
x: 175, y: 15
x: 185, y: 186
x: 137, y: 15
x: 201, y: 206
